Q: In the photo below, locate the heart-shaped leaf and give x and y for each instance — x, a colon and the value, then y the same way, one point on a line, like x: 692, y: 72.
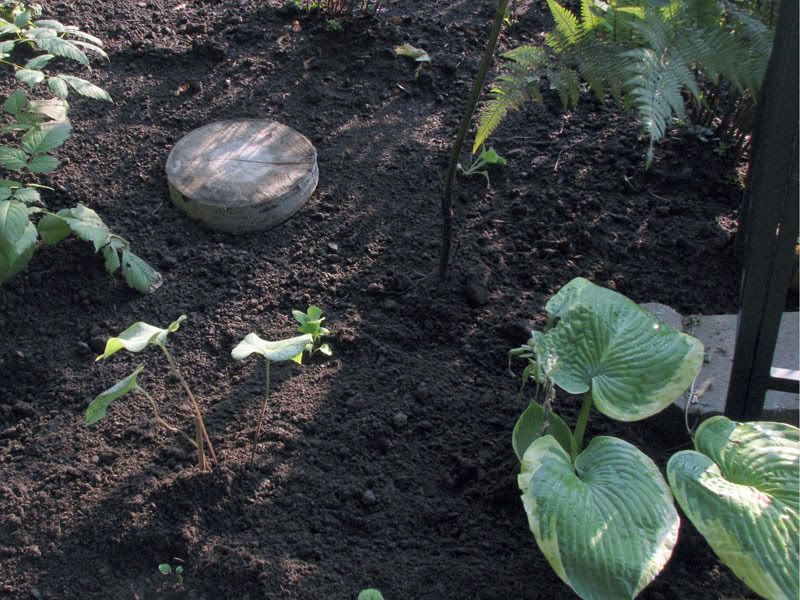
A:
x: 606, y: 523
x: 97, y: 407
x: 528, y: 429
x: 138, y: 336
x: 272, y: 351
x: 634, y: 365
x: 741, y: 490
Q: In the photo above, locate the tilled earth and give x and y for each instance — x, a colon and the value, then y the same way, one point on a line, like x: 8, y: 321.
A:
x: 389, y: 464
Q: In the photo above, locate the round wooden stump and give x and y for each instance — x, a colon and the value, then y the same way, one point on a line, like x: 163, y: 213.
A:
x: 242, y: 175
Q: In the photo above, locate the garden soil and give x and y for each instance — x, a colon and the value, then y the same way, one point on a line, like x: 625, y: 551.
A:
x: 388, y: 465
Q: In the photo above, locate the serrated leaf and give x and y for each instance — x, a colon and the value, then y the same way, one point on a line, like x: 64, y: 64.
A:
x: 27, y: 195
x: 85, y: 88
x: 138, y: 274
x: 5, y: 29
x: 58, y: 86
x: 7, y: 46
x: 43, y: 164
x: 606, y: 524
x: 23, y: 19
x: 91, y: 48
x: 39, y: 61
x: 29, y: 77
x: 111, y: 258
x: 53, y: 108
x: 138, y: 336
x: 86, y: 224
x: 604, y: 342
x: 61, y: 47
x: 97, y: 408
x: 272, y: 351
x: 75, y: 32
x: 46, y: 138
x: 51, y: 24
x: 12, y: 159
x: 740, y: 488
x: 16, y: 102
x: 53, y: 229
x: 528, y: 429
x: 17, y: 238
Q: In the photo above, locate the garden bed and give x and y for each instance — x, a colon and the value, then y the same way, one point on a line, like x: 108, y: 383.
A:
x: 388, y: 465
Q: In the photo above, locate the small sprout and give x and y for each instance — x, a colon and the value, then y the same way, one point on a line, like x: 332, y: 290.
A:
x: 167, y: 569
x: 486, y: 158
x: 311, y: 323
x: 370, y: 594
x: 136, y: 338
x: 409, y: 51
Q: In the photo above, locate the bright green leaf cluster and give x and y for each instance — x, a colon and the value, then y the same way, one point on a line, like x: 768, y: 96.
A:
x: 310, y: 322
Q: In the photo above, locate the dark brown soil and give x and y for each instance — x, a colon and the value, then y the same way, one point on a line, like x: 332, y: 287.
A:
x: 390, y: 464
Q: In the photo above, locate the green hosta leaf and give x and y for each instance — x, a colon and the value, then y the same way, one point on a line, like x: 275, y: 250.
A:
x: 58, y: 86
x: 370, y: 594
x: 97, y: 408
x: 85, y: 88
x: 606, y: 524
x: 46, y: 138
x: 39, y: 61
x: 528, y: 429
x: 17, y: 238
x: 12, y: 159
x: 741, y: 489
x: 29, y: 77
x: 138, y: 336
x: 53, y: 229
x: 43, y: 164
x: 16, y: 102
x: 61, y: 47
x: 634, y: 365
x: 138, y: 274
x: 272, y: 351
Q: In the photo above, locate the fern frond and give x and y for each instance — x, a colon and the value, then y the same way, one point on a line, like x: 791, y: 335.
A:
x: 565, y: 81
x: 568, y: 29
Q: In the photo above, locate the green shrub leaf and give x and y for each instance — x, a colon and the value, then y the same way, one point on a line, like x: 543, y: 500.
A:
x: 29, y: 77
x: 87, y: 225
x: 16, y: 102
x: 39, y: 61
x: 97, y: 407
x: 111, y: 258
x: 17, y: 238
x: 740, y: 488
x: 139, y: 275
x: 528, y: 429
x: 85, y: 88
x: 138, y: 336
x: 12, y: 159
x: 634, y: 365
x: 28, y: 195
x: 58, y: 86
x: 273, y: 351
x: 43, y: 164
x: 61, y: 47
x: 53, y: 229
x: 46, y: 138
x: 606, y: 523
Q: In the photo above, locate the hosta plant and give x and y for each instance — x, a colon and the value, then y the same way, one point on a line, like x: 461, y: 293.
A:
x: 282, y: 350
x: 137, y: 338
x: 603, y: 516
x: 31, y: 46
x: 740, y: 488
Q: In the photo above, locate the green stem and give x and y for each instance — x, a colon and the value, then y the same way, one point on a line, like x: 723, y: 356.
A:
x: 447, y: 196
x: 583, y: 420
x: 160, y: 420
x: 263, y: 411
x: 200, y: 427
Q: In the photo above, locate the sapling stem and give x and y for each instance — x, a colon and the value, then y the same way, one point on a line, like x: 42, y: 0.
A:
x: 455, y: 153
x: 263, y: 411
x: 160, y: 420
x: 583, y: 420
x: 200, y: 428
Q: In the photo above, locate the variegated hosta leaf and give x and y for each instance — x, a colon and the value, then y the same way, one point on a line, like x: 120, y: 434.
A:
x: 634, y: 365
x: 272, y: 351
x: 138, y: 336
x: 529, y: 428
x: 741, y: 490
x: 606, y: 524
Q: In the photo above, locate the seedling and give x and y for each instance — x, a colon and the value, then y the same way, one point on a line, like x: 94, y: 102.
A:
x: 417, y: 54
x: 279, y: 351
x: 136, y: 338
x: 370, y: 594
x: 311, y: 323
x: 168, y: 569
x: 485, y: 159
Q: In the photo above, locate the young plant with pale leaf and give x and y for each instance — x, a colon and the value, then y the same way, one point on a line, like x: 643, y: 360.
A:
x: 137, y: 338
x: 486, y: 158
x: 280, y: 351
x: 603, y: 515
x: 311, y: 323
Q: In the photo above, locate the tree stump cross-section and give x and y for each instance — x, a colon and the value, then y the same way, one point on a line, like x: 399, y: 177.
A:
x: 242, y: 175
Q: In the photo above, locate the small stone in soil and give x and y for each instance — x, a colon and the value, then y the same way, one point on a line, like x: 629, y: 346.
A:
x: 369, y: 498
x: 399, y: 420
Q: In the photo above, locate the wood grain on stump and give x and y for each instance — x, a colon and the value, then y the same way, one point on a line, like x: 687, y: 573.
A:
x: 242, y: 175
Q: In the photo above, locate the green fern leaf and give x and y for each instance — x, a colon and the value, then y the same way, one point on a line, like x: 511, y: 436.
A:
x: 568, y: 29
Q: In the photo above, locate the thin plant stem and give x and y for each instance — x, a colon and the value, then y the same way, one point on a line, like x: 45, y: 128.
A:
x: 200, y: 427
x: 455, y: 153
x: 160, y: 420
x: 583, y: 420
x: 263, y: 411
